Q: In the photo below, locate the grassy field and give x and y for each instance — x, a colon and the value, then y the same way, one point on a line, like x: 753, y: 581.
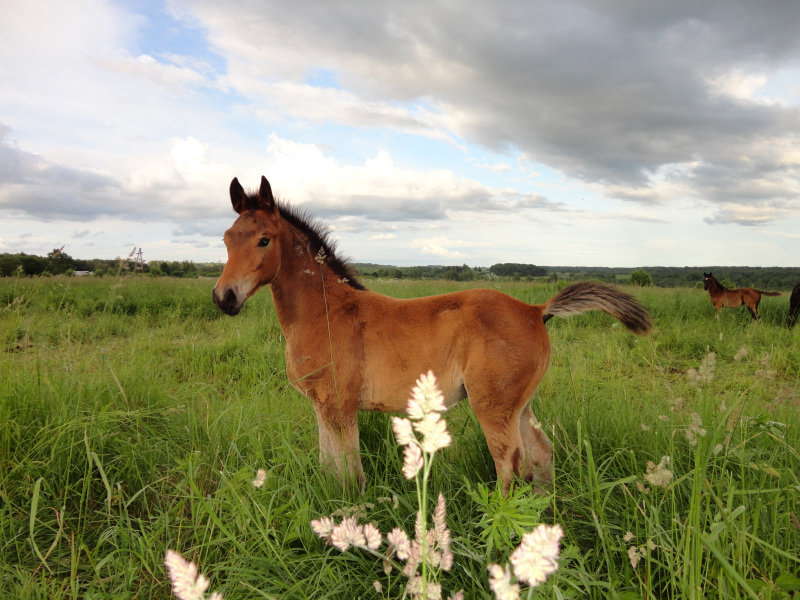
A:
x: 134, y: 416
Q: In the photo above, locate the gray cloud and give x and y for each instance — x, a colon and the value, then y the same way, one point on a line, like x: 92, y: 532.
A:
x: 417, y: 207
x: 50, y: 191
x: 611, y: 93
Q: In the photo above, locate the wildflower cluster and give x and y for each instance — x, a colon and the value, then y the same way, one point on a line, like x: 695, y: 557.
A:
x: 347, y: 533
x: 533, y: 561
x: 695, y: 430
x: 187, y: 583
x: 765, y: 372
x: 637, y: 553
x: 260, y: 480
x: 658, y: 475
x: 430, y: 548
x: 705, y: 372
x: 436, y: 553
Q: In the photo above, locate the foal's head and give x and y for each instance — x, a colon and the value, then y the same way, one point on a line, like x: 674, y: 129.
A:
x: 708, y: 281
x: 253, y: 244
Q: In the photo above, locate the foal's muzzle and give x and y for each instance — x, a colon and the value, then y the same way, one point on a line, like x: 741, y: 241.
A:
x: 228, y: 303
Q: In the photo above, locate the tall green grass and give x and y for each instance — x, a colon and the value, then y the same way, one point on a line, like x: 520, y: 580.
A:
x: 133, y: 417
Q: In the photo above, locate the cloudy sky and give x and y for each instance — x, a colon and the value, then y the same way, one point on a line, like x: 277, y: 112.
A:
x: 612, y: 133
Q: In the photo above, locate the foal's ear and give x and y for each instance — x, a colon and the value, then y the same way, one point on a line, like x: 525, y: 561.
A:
x: 239, y: 198
x: 266, y: 201
x: 241, y: 201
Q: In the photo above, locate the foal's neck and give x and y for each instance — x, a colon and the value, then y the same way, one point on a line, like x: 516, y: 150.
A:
x: 305, y: 289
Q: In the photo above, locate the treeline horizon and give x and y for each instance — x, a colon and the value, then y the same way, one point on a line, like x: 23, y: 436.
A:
x: 58, y: 262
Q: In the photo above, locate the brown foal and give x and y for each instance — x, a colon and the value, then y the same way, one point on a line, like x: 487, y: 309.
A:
x: 351, y: 349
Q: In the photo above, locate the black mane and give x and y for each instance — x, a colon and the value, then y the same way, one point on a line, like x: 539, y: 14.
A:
x: 318, y: 236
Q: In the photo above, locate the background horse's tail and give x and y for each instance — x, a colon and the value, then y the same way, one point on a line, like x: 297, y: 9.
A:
x: 586, y: 295
x: 768, y: 293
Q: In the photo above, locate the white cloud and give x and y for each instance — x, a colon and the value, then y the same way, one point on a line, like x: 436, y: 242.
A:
x: 737, y: 84
x: 440, y: 251
x: 443, y: 246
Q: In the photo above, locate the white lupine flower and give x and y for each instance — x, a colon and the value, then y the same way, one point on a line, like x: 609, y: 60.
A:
x: 434, y: 433
x: 403, y: 431
x: 500, y: 583
x: 415, y: 410
x: 412, y: 461
x: 425, y: 397
x: 536, y: 557
x: 187, y: 583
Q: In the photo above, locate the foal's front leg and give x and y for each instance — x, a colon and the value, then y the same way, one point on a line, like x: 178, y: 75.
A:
x: 338, y: 443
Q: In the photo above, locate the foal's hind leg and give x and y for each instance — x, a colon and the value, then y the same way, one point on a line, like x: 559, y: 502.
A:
x: 538, y: 450
x: 505, y: 443
x: 517, y: 447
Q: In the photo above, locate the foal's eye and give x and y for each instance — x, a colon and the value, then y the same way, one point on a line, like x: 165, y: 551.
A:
x: 264, y: 241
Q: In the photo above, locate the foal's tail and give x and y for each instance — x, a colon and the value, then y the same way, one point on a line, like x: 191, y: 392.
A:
x: 763, y: 293
x: 586, y: 295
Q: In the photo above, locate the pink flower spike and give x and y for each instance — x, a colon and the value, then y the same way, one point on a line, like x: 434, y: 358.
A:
x: 373, y: 536
x: 399, y: 539
x: 323, y: 527
x: 348, y: 533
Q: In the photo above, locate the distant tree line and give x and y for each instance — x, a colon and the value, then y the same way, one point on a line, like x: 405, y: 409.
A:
x: 452, y: 273
x: 517, y: 270
x: 765, y: 278
x: 59, y: 262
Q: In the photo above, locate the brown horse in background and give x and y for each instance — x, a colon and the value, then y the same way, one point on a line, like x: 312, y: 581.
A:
x: 350, y: 349
x: 722, y: 297
x: 794, y: 305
